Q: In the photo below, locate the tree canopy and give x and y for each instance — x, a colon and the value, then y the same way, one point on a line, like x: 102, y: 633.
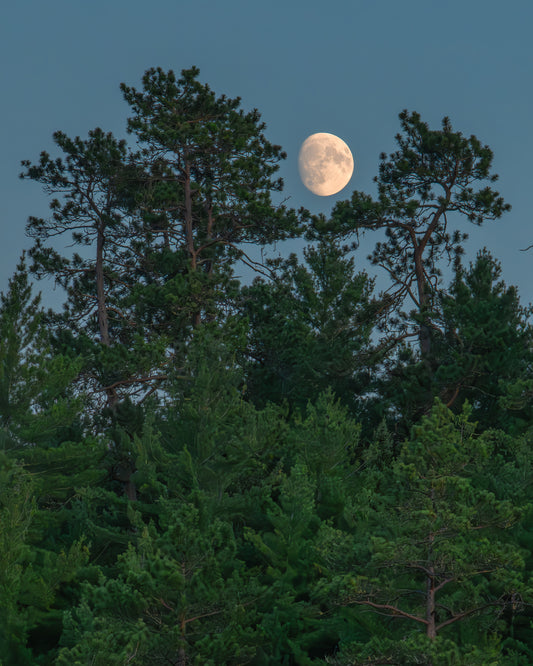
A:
x: 292, y: 471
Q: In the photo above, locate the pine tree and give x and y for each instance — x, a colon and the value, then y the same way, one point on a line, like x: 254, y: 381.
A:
x: 438, y: 555
x: 308, y: 515
x: 289, y: 619
x: 91, y: 210
x: 47, y: 457
x: 16, y: 512
x: 207, y: 190
x: 432, y: 178
x: 180, y: 596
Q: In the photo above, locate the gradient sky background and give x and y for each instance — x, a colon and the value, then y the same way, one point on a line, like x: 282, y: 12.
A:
x: 347, y: 68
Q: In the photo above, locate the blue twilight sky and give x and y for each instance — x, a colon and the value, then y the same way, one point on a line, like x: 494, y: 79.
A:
x: 345, y: 67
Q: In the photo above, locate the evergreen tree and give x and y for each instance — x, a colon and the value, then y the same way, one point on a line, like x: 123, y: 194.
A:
x: 482, y: 353
x: 439, y: 561
x: 16, y: 513
x: 310, y: 329
x: 91, y: 211
x: 289, y: 620
x: 487, y: 345
x: 46, y: 458
x: 164, y: 225
x: 225, y: 506
x: 309, y: 518
x: 180, y: 596
x: 207, y: 190
x: 35, y: 404
x: 432, y: 178
x: 183, y: 589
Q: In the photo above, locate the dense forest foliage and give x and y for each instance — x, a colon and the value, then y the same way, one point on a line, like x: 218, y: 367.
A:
x: 298, y: 470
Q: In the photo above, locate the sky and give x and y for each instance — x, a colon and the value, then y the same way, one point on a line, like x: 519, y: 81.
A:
x: 344, y: 67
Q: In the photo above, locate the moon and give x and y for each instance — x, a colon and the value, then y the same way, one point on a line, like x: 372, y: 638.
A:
x: 325, y: 163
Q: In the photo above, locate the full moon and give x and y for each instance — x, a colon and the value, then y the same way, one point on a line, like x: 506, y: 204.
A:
x: 325, y: 163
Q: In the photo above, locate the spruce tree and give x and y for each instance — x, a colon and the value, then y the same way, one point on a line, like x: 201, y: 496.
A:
x: 35, y: 403
x: 310, y: 330
x: 45, y: 459
x: 487, y: 344
x: 481, y: 353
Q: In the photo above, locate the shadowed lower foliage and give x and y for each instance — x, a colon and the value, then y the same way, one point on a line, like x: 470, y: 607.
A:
x: 194, y: 471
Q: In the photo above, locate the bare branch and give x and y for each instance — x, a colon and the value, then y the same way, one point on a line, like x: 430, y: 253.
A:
x: 394, y: 610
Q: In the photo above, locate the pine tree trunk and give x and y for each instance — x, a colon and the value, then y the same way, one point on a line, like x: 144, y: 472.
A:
x: 423, y: 301
x: 196, y: 317
x: 182, y: 654
x: 103, y: 320
x: 430, y: 605
x: 431, y: 630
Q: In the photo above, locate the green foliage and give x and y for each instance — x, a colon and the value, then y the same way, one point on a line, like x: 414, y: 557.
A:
x: 32, y: 579
x: 439, y: 557
x: 90, y: 204
x: 481, y: 352
x: 288, y: 618
x: 206, y: 192
x: 488, y: 344
x: 16, y: 513
x: 413, y: 650
x: 327, y: 443
x: 431, y: 178
x: 310, y: 329
x: 196, y: 472
x: 194, y: 139
x: 35, y: 404
x: 179, y: 595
